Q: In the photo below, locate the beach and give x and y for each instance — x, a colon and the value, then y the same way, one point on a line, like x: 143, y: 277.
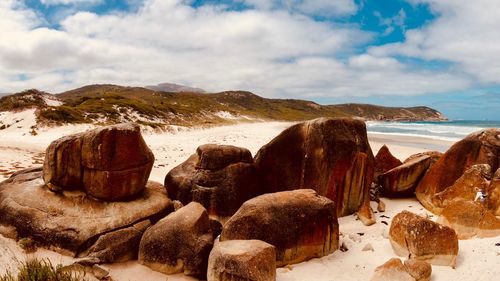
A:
x: 479, y: 259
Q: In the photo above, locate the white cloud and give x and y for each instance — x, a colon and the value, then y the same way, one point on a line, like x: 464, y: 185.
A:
x: 272, y: 52
x: 69, y: 2
x: 466, y: 33
x: 311, y: 7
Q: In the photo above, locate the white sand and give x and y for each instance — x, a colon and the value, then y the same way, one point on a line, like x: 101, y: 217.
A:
x: 479, y: 259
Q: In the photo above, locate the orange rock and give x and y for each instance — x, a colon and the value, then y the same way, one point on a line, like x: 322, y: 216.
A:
x: 403, y: 179
x: 395, y: 270
x: 385, y: 161
x: 331, y: 156
x: 423, y: 239
x: 481, y: 147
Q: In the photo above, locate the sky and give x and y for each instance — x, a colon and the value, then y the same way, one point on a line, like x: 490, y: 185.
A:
x: 440, y: 53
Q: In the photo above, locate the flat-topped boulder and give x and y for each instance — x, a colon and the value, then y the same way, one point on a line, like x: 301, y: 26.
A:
x: 301, y: 224
x: 329, y: 155
x: 403, y: 179
x: 72, y: 221
x: 481, y: 147
x: 385, y: 161
x: 220, y: 177
x: 420, y: 238
x: 395, y: 270
x: 179, y: 243
x: 470, y: 219
x: 242, y: 260
x: 110, y: 163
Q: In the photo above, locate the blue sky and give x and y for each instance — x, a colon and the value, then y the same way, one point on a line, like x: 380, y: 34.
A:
x: 440, y: 53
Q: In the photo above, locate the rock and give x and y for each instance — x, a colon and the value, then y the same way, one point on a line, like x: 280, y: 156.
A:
x: 482, y: 147
x: 368, y: 247
x: 242, y: 260
x: 470, y: 219
x: 392, y: 270
x: 493, y: 202
x: 299, y: 223
x: 474, y: 181
x: 420, y: 270
x: 365, y: 215
x: 179, y: 243
x: 434, y: 155
x: 110, y: 163
x: 99, y: 272
x: 71, y: 221
x: 423, y: 239
x: 385, y: 161
x: 220, y: 177
x: 381, y: 206
x: 117, y: 246
x: 403, y: 179
x: 332, y: 156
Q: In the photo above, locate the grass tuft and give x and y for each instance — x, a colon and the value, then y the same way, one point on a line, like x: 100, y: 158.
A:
x: 41, y: 270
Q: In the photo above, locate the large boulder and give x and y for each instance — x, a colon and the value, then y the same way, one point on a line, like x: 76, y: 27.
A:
x: 71, y: 221
x: 434, y: 155
x: 482, y: 147
x: 331, y: 156
x: 470, y: 219
x: 220, y: 177
x: 422, y: 239
x: 385, y: 161
x: 179, y: 243
x: 299, y: 223
x: 395, y: 270
x: 242, y: 260
x: 403, y: 179
x: 110, y: 163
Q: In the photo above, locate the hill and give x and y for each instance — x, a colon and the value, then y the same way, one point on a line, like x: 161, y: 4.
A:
x: 107, y: 104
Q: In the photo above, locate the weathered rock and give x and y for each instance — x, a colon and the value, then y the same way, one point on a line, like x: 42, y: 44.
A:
x: 482, y: 147
x: 470, y: 219
x: 220, y: 177
x: 71, y: 221
x: 420, y: 270
x: 242, y: 260
x: 385, y: 161
x: 434, y: 155
x: 392, y: 270
x: 299, y: 223
x: 493, y: 202
x: 423, y: 239
x: 110, y: 163
x: 180, y: 242
x: 331, y: 156
x: 117, y: 246
x: 474, y: 181
x: 403, y: 179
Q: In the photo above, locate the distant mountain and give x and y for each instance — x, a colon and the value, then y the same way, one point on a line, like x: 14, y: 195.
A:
x: 108, y: 104
x: 174, y: 88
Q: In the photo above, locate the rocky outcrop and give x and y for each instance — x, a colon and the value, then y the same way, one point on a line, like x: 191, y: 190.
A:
x: 242, y: 260
x: 180, y: 242
x: 299, y: 223
x: 220, y: 177
x: 110, y: 163
x: 423, y: 239
x: 470, y: 219
x: 395, y: 270
x: 482, y: 147
x: 331, y: 156
x: 71, y: 221
x: 384, y: 161
x: 402, y: 180
x: 434, y: 155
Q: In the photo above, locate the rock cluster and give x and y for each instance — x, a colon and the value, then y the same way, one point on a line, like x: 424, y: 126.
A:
x: 299, y: 223
x: 482, y: 147
x: 395, y: 270
x: 423, y: 239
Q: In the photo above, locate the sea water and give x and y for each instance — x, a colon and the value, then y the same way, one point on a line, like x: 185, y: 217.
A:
x: 444, y: 130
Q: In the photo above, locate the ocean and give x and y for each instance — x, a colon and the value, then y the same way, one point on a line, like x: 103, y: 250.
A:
x: 447, y: 130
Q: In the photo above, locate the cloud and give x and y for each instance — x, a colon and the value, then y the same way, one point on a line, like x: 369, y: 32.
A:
x: 273, y: 52
x: 70, y: 2
x: 466, y: 33
x: 325, y: 8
